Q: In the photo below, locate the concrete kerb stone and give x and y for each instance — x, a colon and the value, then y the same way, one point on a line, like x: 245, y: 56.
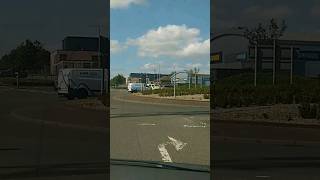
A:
x: 277, y: 114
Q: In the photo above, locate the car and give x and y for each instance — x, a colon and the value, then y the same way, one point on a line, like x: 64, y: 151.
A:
x: 154, y: 86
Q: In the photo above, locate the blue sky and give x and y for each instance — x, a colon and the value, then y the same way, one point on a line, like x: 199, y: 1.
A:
x: 148, y: 34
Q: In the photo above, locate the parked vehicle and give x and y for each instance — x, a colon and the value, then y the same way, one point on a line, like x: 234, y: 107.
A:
x: 81, y: 83
x: 136, y: 87
x: 154, y: 87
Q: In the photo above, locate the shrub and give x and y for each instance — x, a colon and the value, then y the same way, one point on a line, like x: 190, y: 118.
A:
x: 239, y: 91
x: 308, y: 111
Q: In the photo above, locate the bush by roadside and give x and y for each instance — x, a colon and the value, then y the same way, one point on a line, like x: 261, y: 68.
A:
x: 180, y: 91
x: 238, y: 91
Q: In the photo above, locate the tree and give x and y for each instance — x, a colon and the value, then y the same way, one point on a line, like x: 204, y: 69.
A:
x: 270, y: 31
x: 165, y: 80
x: 29, y: 57
x: 118, y: 80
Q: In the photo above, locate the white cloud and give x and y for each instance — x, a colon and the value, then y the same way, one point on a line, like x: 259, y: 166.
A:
x: 192, y: 66
x: 123, y: 4
x: 116, y: 47
x: 149, y: 67
x: 175, y: 66
x: 172, y: 41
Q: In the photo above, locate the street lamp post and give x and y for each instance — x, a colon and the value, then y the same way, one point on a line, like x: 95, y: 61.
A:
x: 255, y: 64
x: 189, y: 81
x: 218, y: 37
x: 175, y: 79
x: 274, y: 62
x: 291, y: 69
x: 100, y: 60
x: 174, y: 84
x: 17, y: 79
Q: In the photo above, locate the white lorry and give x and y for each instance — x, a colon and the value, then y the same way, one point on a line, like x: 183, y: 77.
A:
x: 81, y: 82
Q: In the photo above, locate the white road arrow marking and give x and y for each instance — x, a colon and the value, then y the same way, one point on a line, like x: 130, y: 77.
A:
x: 177, y: 143
x: 164, y: 152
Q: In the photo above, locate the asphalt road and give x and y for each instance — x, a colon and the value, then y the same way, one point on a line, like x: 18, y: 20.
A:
x: 253, y: 151
x: 37, y: 129
x: 153, y: 132
x: 74, y: 141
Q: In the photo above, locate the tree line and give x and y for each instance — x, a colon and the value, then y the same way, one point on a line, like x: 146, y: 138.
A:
x: 29, y: 56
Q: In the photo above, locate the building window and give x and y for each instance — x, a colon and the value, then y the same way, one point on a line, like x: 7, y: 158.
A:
x: 95, y: 65
x: 63, y: 57
x: 86, y: 65
x: 94, y: 58
x: 285, y: 53
x: 267, y: 52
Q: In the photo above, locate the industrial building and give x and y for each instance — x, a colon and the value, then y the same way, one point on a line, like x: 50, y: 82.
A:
x: 187, y: 78
x: 145, y: 78
x: 80, y: 52
x: 302, y: 57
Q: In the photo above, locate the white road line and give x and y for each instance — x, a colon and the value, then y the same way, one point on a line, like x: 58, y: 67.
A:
x: 188, y: 126
x: 262, y: 176
x: 146, y: 124
x: 177, y: 143
x: 203, y: 125
x: 164, y: 153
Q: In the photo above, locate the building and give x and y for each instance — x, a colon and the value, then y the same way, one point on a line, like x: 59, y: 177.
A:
x: 303, y: 57
x: 186, y: 78
x: 80, y: 52
x: 145, y: 78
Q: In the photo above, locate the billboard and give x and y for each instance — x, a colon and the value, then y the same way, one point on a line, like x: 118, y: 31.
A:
x: 216, y: 57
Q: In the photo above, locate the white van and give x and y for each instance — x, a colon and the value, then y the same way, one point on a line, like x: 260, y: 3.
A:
x: 81, y: 83
x: 136, y: 87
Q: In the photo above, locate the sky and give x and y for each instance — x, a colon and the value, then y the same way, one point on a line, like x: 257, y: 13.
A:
x: 49, y: 21
x: 148, y: 35
x: 302, y: 19
x: 301, y: 16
